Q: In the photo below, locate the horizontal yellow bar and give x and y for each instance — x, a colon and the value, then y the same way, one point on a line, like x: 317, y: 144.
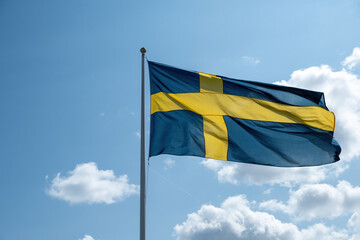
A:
x: 219, y: 104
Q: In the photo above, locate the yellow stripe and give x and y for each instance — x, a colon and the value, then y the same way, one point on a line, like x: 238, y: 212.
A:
x: 217, y: 104
x: 215, y: 130
x: 210, y: 83
x: 216, y: 137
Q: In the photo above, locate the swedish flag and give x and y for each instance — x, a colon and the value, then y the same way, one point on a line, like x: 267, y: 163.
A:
x: 200, y: 114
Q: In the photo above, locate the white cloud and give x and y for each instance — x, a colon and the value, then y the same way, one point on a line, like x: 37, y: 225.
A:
x: 236, y: 220
x: 312, y: 201
x: 251, y: 60
x: 236, y: 173
x: 87, y: 237
x: 169, y: 163
x: 353, y: 60
x: 87, y: 184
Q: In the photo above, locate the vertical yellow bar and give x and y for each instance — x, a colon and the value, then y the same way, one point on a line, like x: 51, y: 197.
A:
x: 215, y: 131
x: 216, y: 137
x: 210, y: 83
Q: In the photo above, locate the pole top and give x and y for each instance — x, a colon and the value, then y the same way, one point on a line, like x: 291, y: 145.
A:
x: 143, y: 50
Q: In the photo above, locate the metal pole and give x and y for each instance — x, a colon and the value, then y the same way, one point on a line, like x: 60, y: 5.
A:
x: 142, y: 150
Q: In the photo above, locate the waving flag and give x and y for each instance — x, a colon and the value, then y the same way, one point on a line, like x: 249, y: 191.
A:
x: 204, y: 115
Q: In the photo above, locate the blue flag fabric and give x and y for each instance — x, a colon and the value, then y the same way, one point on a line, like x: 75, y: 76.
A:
x: 204, y: 115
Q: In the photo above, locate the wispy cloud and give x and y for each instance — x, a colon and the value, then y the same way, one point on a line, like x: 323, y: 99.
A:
x: 354, y: 222
x: 352, y: 61
x: 251, y: 60
x: 169, y: 163
x: 267, y: 191
x: 137, y: 134
x: 87, y: 184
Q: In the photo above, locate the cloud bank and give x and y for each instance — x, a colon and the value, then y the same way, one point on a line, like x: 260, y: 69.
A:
x: 236, y: 220
x: 87, y: 184
x: 312, y: 201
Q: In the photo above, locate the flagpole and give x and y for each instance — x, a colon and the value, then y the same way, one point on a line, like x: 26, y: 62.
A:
x: 142, y: 150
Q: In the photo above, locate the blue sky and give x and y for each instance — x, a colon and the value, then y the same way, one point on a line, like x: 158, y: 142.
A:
x: 70, y: 119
